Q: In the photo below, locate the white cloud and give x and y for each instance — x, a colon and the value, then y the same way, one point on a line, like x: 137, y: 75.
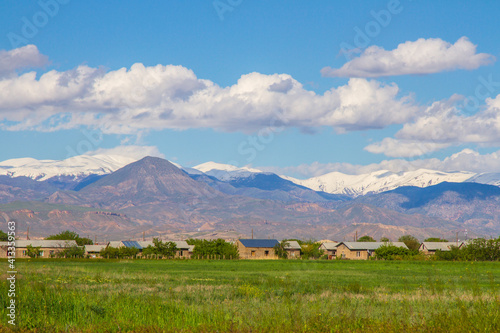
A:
x: 442, y: 125
x: 23, y: 57
x: 465, y: 160
x: 132, y: 151
x: 423, y: 56
x: 126, y: 101
x: 400, y: 148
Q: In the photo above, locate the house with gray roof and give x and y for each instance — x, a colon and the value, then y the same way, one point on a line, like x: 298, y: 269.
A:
x: 293, y: 249
x: 330, y: 249
x: 362, y: 250
x: 47, y: 248
x: 430, y: 248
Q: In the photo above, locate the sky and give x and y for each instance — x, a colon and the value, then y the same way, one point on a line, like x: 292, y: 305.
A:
x: 295, y: 87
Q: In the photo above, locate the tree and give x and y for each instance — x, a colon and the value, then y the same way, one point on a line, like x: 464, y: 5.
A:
x: 3, y: 236
x: 366, y: 239
x: 71, y: 235
x: 411, y: 242
x: 280, y: 249
x: 74, y: 251
x: 32, y: 251
x: 215, y: 247
x: 310, y: 249
x: 385, y: 239
x: 435, y: 239
x: 389, y: 252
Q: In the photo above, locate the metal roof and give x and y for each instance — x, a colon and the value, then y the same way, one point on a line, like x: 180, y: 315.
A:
x: 44, y: 243
x: 293, y: 245
x: 434, y: 246
x: 330, y: 245
x: 132, y: 244
x: 181, y: 245
x: 94, y: 248
x: 115, y: 244
x: 259, y: 242
x: 369, y: 245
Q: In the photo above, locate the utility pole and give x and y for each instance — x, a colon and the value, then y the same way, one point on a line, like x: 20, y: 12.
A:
x: 143, y: 236
x: 28, y: 234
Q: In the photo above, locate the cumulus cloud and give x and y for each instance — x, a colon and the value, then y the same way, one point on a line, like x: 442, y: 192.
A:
x: 423, y: 56
x: 402, y: 148
x: 24, y: 57
x: 127, y: 101
x: 465, y: 160
x: 442, y: 125
x: 132, y: 151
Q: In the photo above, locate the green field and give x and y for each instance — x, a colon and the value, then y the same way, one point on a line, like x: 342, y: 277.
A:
x: 254, y: 296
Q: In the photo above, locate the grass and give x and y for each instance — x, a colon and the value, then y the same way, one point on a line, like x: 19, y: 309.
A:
x: 254, y: 296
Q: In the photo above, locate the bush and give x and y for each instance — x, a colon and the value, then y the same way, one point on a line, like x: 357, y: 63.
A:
x: 391, y: 252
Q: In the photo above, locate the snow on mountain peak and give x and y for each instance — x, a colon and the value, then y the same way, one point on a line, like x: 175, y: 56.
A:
x: 77, y: 166
x: 225, y: 172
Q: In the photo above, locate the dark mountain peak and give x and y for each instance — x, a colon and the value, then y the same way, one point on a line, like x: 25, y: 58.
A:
x: 150, y: 178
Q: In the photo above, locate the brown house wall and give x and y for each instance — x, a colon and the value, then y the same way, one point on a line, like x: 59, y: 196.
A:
x: 345, y: 253
x: 255, y: 252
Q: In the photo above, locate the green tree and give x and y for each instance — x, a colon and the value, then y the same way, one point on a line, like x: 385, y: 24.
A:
x: 389, y: 252
x: 385, y: 239
x: 310, y: 249
x: 110, y: 252
x: 74, y: 251
x: 3, y: 236
x: 71, y: 235
x: 280, y: 249
x: 366, y: 239
x: 411, y: 242
x: 215, y: 247
x: 32, y: 251
x: 435, y: 239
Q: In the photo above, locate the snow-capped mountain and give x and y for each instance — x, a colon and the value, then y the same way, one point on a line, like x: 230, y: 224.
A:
x: 490, y: 178
x: 378, y: 181
x: 77, y: 167
x: 225, y: 172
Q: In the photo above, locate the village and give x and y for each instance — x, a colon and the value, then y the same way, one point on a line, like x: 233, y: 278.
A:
x: 246, y: 249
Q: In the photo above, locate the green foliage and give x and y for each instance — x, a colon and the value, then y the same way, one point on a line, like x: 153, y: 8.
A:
x: 32, y: 251
x: 72, y: 252
x: 118, y: 253
x: 479, y: 249
x: 167, y: 249
x: 310, y: 250
x: 385, y: 239
x: 280, y: 249
x: 217, y: 247
x: 390, y: 252
x: 3, y: 236
x: 411, y: 242
x: 366, y: 239
x: 435, y: 239
x: 71, y: 235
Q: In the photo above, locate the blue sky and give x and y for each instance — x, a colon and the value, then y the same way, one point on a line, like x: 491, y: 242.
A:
x: 254, y: 82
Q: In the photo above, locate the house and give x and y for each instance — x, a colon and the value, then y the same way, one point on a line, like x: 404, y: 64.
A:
x: 330, y: 249
x: 94, y: 251
x: 361, y: 250
x: 430, y: 248
x: 256, y: 248
x: 293, y: 249
x: 48, y: 248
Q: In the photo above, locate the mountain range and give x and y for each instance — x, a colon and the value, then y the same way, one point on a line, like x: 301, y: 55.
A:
x: 114, y: 197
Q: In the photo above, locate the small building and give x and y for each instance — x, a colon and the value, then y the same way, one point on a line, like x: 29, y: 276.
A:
x: 430, y: 248
x: 94, y: 251
x: 256, y: 248
x: 330, y: 249
x: 48, y: 248
x: 293, y: 249
x: 361, y: 250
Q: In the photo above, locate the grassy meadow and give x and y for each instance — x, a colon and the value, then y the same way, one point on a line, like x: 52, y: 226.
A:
x: 254, y: 296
